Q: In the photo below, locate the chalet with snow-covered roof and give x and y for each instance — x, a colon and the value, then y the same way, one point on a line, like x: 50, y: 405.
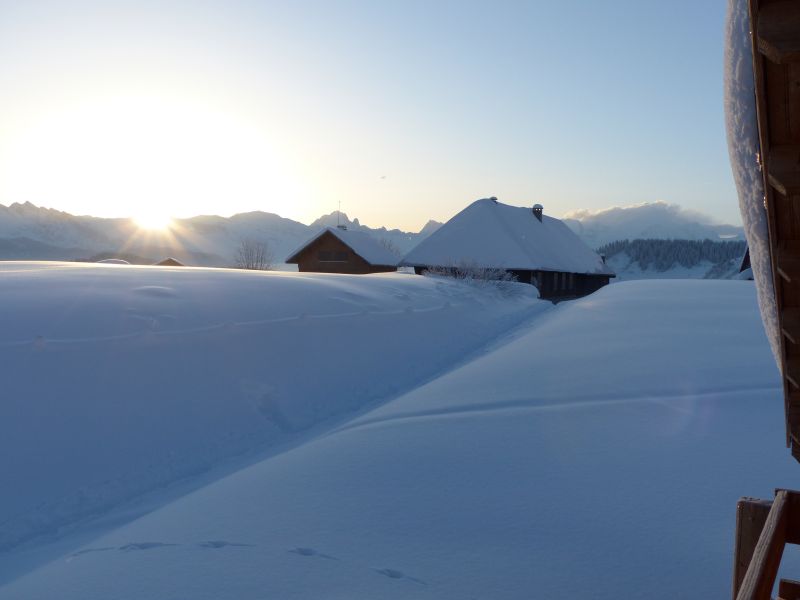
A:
x: 339, y: 250
x: 535, y: 248
x: 169, y: 262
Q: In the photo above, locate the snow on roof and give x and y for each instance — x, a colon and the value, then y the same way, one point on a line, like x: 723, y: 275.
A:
x: 741, y: 122
x: 360, y: 242
x: 491, y: 234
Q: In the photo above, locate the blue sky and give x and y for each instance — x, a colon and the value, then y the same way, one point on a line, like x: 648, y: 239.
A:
x: 401, y: 111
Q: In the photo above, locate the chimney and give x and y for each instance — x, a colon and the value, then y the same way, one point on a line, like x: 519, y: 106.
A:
x: 342, y: 227
x: 537, y: 211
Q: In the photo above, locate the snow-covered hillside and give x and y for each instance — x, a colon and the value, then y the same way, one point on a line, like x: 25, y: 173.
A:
x: 674, y: 259
x: 651, y: 220
x: 592, y: 449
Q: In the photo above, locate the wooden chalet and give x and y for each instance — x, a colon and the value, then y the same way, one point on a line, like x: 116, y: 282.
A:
x: 339, y: 250
x: 535, y: 248
x: 169, y: 262
x: 764, y: 527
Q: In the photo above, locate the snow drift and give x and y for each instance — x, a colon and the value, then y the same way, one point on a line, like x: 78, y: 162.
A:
x: 119, y: 379
x: 595, y: 452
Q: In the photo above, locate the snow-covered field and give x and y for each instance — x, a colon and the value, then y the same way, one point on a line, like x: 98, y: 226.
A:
x: 210, y: 434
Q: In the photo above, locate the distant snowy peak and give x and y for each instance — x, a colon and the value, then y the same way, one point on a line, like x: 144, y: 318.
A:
x: 652, y: 220
x: 430, y: 227
x: 334, y: 219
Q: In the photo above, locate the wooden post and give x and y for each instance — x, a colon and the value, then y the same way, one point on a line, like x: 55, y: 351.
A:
x: 751, y: 514
x: 789, y: 590
x: 760, y: 576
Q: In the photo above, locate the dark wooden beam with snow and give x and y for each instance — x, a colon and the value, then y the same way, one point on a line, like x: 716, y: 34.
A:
x: 775, y: 32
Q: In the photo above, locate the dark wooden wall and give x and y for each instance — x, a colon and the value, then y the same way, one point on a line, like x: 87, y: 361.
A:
x: 556, y: 285
x: 328, y: 254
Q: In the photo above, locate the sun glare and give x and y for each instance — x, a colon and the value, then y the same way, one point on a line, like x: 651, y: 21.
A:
x: 111, y: 155
x: 153, y: 221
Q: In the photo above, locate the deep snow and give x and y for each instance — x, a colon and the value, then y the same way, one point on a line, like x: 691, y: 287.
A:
x: 118, y: 380
x: 597, y: 451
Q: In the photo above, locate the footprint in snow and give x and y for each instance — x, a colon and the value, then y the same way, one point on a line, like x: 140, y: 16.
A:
x: 222, y: 544
x: 143, y: 546
x: 311, y: 552
x: 89, y: 551
x: 395, y: 574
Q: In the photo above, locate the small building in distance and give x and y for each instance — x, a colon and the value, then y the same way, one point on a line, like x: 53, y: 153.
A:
x: 169, y: 262
x: 745, y: 268
x: 536, y: 249
x: 338, y: 250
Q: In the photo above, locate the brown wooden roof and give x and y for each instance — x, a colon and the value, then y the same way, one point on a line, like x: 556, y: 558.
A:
x: 776, y: 64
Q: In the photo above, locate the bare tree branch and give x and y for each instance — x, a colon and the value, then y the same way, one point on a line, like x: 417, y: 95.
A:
x: 254, y: 255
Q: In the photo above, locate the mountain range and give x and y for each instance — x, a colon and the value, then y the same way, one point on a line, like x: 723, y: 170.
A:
x: 29, y: 232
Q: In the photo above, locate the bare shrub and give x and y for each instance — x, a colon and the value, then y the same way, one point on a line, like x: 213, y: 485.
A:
x: 475, y: 274
x: 254, y: 255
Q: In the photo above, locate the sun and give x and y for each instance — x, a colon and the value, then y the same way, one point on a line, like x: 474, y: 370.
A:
x: 153, y: 221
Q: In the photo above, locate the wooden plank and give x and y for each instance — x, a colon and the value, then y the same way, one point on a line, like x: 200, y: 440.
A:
x: 784, y: 169
x: 793, y: 98
x: 793, y: 516
x: 790, y: 324
x: 760, y: 576
x: 778, y: 24
x: 793, y: 415
x: 789, y: 589
x: 788, y: 265
x: 751, y: 514
x: 792, y: 372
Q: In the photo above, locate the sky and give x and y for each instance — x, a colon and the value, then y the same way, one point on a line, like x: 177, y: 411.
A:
x: 399, y: 111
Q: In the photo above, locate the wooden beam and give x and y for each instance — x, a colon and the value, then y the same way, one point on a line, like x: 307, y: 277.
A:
x: 784, y: 169
x: 789, y: 589
x: 760, y: 576
x: 788, y: 265
x: 793, y: 412
x: 751, y: 514
x: 793, y: 515
x: 778, y: 24
x: 792, y: 373
x: 790, y: 324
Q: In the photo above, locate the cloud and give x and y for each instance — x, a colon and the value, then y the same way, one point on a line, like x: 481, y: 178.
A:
x: 658, y: 207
